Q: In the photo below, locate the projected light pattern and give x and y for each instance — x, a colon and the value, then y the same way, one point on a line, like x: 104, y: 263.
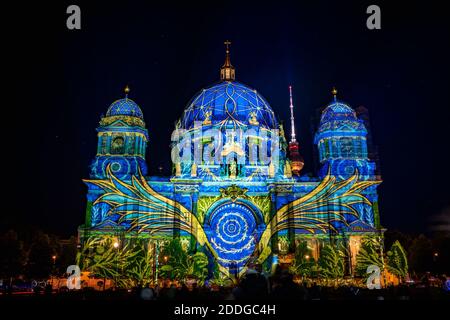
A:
x: 342, y: 142
x: 229, y: 102
x: 233, y: 233
x: 241, y: 199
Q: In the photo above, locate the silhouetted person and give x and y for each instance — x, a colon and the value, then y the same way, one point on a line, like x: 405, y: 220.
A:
x: 285, y: 288
x: 194, y: 294
x: 183, y: 293
x: 48, y: 289
x: 314, y: 292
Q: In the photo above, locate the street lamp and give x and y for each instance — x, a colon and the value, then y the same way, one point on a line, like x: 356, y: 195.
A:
x: 156, y: 261
x: 435, y: 256
x: 116, y: 246
x: 53, y: 272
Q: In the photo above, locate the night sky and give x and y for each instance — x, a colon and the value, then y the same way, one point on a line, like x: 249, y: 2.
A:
x: 63, y: 80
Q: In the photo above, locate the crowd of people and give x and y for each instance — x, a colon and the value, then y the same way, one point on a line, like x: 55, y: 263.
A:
x: 281, y: 286
x: 259, y: 286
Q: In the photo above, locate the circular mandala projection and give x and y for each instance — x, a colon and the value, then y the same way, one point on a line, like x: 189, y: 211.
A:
x: 233, y: 233
x: 120, y: 167
x: 115, y: 167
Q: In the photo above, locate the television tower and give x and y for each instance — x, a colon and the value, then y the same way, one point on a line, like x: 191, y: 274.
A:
x: 297, y: 161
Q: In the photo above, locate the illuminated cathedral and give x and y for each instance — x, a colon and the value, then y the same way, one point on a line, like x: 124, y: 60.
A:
x: 237, y: 192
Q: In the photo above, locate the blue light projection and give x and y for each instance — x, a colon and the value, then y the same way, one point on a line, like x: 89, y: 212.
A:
x: 236, y: 211
x: 233, y: 229
x: 229, y: 103
x: 233, y: 232
x: 342, y: 144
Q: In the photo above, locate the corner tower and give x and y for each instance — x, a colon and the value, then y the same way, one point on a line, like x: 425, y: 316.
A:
x: 342, y: 142
x: 122, y: 140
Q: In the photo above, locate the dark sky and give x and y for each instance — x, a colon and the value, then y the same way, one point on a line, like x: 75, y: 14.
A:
x: 63, y: 80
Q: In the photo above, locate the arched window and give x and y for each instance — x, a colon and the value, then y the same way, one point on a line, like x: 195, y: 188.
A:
x: 346, y: 146
x: 103, y: 141
x: 326, y: 149
x: 359, y: 151
x: 130, y: 145
x: 117, y: 146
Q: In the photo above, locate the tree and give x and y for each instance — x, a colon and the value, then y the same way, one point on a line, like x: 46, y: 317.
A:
x: 198, y: 266
x: 139, y: 265
x: 303, y: 261
x: 180, y: 265
x: 397, y: 262
x: 421, y: 254
x: 175, y: 260
x: 441, y: 246
x: 129, y: 265
x: 331, y: 262
x: 66, y: 254
x: 101, y: 258
x: 40, y: 262
x: 368, y: 255
x: 13, y: 255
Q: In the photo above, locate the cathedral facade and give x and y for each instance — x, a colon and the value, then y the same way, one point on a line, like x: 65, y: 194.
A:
x: 237, y: 192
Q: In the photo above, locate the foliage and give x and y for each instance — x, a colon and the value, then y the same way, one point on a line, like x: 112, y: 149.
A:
x: 397, y: 263
x: 283, y: 244
x: 421, y: 254
x: 180, y: 265
x: 40, y: 262
x: 225, y: 281
x: 331, y: 261
x: 129, y: 265
x: 174, y: 252
x: 221, y: 278
x: 13, y: 255
x: 203, y: 205
x: 144, y: 209
x: 263, y: 203
x: 139, y: 268
x: 303, y: 261
x: 66, y: 254
x: 197, y: 266
x: 368, y: 254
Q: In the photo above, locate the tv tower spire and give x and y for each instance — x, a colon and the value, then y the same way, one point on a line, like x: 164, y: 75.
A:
x: 297, y: 161
x: 291, y: 106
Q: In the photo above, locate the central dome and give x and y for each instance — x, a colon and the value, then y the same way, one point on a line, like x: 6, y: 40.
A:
x: 229, y: 103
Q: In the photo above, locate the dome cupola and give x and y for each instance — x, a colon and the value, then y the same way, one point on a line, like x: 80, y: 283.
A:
x: 229, y: 103
x: 125, y: 107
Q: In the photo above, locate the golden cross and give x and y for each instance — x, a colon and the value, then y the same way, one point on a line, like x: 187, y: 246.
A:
x: 227, y: 43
